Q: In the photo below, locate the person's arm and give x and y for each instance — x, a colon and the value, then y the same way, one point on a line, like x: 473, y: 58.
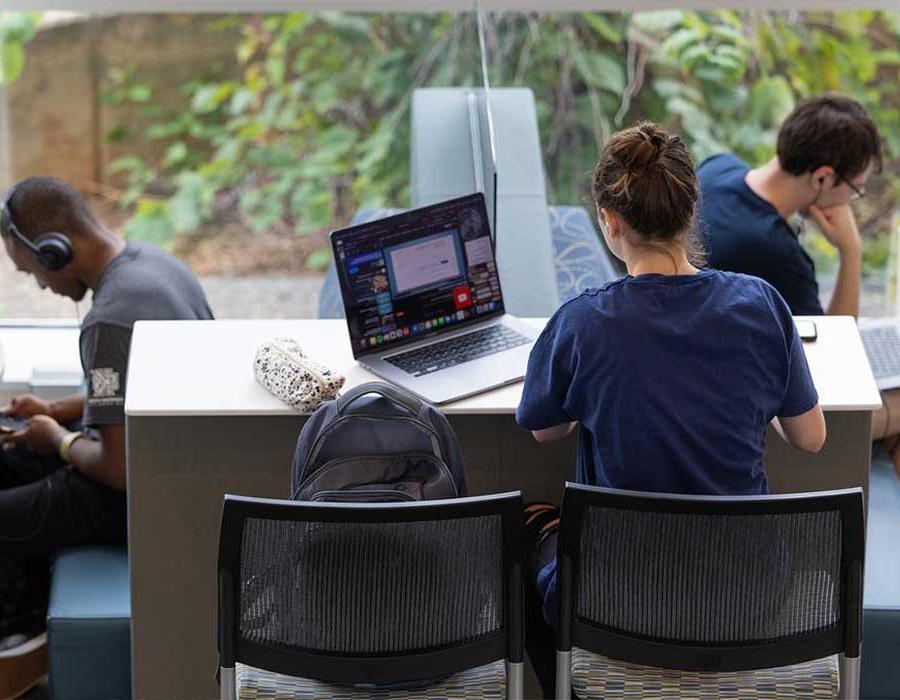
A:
x: 557, y: 432
x: 805, y: 432
x: 102, y: 460
x: 838, y: 225
x: 65, y: 410
x: 799, y: 420
x: 543, y: 407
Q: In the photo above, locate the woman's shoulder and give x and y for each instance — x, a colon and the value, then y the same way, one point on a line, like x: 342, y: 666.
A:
x: 590, y: 301
x: 742, y: 283
x: 581, y: 314
x: 754, y: 296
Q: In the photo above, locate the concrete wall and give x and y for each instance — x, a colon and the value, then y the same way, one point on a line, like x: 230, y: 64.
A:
x: 56, y: 120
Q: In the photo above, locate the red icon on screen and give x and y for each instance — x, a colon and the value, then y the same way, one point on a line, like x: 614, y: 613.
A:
x: 462, y: 297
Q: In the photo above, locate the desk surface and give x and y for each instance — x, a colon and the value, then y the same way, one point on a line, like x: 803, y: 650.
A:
x: 196, y: 368
x: 39, y: 353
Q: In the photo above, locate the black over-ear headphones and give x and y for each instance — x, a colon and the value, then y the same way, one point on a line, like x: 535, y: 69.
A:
x: 52, y: 250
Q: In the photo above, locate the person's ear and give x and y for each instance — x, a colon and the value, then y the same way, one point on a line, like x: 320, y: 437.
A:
x: 612, y: 223
x: 823, y: 175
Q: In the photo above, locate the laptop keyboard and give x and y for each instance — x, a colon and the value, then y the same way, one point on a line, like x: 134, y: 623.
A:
x: 882, y: 344
x: 455, y: 351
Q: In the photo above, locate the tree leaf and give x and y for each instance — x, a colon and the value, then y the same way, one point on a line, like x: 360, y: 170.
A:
x: 680, y: 40
x: 603, y: 27
x: 658, y: 20
x: 12, y: 61
x: 601, y: 70
x: 176, y: 154
x: 150, y: 223
x: 319, y: 258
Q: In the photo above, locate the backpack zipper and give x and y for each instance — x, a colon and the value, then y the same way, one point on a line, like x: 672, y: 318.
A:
x: 344, y: 495
x: 442, y: 466
x: 314, y: 451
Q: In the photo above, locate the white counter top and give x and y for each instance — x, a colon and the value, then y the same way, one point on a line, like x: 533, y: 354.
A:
x: 39, y: 356
x: 180, y: 368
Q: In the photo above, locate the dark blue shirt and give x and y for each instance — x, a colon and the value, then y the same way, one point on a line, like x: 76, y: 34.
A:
x: 745, y: 233
x: 672, y: 379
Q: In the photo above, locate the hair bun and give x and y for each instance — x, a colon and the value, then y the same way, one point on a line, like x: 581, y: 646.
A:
x: 648, y: 177
x: 647, y: 149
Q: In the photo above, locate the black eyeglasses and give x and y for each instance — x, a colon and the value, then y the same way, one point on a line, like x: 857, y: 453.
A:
x: 858, y: 192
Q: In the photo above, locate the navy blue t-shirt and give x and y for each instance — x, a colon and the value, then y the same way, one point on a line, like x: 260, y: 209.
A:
x: 672, y: 379
x: 745, y: 233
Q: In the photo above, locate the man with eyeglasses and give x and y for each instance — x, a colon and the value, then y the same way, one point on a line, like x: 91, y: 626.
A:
x: 827, y: 149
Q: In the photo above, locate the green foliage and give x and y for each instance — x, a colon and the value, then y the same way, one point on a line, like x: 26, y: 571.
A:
x: 314, y: 121
x: 728, y: 79
x: 16, y: 30
x: 314, y: 124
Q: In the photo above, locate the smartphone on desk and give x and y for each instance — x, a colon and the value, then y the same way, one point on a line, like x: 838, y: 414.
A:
x: 807, y: 330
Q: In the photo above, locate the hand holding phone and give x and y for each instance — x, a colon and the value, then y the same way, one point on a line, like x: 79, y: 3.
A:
x: 10, y: 426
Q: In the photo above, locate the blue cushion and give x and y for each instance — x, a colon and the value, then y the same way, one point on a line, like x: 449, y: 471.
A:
x: 880, y: 676
x: 89, y: 625
x: 581, y: 260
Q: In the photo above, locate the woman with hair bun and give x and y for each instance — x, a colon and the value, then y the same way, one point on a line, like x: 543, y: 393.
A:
x: 673, y: 372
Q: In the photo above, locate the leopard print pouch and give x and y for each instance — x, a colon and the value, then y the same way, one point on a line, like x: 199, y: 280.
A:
x: 282, y: 368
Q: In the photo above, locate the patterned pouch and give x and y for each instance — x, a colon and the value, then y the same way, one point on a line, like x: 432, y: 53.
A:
x: 282, y: 368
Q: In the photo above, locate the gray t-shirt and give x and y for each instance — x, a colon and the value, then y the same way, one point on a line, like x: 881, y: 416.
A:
x: 142, y: 283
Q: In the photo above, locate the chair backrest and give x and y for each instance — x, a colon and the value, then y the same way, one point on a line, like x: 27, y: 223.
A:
x: 708, y: 583
x: 370, y: 593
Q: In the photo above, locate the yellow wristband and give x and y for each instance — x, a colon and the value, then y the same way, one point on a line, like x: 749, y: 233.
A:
x: 65, y: 445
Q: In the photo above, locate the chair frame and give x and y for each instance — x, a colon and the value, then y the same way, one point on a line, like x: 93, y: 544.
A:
x: 843, y: 638
x: 399, y: 667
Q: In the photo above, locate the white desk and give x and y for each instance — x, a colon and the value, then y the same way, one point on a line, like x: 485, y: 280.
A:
x: 194, y: 368
x: 39, y: 357
x: 199, y: 426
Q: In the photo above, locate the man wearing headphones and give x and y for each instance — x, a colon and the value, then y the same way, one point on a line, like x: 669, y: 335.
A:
x: 62, y: 476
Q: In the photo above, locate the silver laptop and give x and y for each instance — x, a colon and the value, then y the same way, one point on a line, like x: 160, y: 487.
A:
x: 423, y: 301
x: 881, y: 339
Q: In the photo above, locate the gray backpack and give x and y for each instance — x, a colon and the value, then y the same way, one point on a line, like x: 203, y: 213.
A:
x: 377, y: 443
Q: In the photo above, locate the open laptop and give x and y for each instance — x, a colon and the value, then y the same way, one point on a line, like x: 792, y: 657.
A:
x: 881, y: 339
x: 423, y: 301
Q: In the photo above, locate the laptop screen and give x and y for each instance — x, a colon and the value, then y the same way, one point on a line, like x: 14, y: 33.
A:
x: 410, y: 276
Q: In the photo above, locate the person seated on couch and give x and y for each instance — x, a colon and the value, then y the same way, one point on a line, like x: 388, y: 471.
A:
x: 62, y: 476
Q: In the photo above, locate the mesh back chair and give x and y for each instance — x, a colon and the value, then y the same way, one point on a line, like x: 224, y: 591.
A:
x: 707, y: 596
x: 333, y: 600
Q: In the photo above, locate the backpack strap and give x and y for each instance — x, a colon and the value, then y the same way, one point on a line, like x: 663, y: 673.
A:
x: 395, y: 394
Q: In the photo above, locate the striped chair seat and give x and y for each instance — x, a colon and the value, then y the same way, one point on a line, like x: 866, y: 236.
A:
x: 595, y: 676
x: 481, y: 683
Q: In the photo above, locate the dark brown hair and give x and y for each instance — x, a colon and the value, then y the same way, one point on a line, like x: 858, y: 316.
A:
x: 829, y: 130
x: 648, y: 177
x: 48, y: 204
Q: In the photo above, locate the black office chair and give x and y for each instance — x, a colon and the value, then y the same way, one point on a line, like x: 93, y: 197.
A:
x: 326, y: 600
x: 710, y: 597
